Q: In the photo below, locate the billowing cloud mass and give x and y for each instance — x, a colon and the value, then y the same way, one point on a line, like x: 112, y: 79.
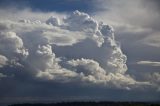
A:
x: 69, y: 50
x: 31, y: 44
x: 11, y: 44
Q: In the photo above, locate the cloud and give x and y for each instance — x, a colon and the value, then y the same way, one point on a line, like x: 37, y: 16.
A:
x: 152, y: 40
x: 120, y: 15
x: 53, y: 20
x: 136, y: 25
x: 92, y: 72
x: 2, y: 76
x: 141, y: 28
x: 11, y: 43
x: 149, y: 63
x: 75, y: 49
x: 3, y: 61
x: 36, y: 39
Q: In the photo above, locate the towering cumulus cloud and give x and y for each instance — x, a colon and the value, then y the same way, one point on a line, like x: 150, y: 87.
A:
x: 76, y: 48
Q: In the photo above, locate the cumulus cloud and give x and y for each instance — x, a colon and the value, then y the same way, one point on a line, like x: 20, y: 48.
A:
x: 88, y: 68
x: 138, y: 30
x: 93, y: 72
x: 53, y: 20
x: 138, y: 33
x: 11, y: 43
x: 76, y: 48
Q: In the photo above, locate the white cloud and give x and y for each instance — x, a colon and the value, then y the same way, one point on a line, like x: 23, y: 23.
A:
x: 27, y: 14
x: 60, y: 37
x: 10, y: 43
x: 88, y: 67
x: 149, y: 63
x: 81, y: 22
x: 136, y: 25
x: 92, y: 54
x: 92, y: 72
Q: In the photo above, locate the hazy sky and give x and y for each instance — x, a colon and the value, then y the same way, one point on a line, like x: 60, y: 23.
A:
x: 67, y: 50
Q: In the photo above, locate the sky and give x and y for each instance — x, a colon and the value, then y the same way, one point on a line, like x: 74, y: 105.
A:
x: 79, y: 50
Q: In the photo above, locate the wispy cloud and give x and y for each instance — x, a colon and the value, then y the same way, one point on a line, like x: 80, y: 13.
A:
x: 149, y: 63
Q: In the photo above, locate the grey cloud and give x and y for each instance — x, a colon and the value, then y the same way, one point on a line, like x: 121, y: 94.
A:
x: 2, y: 76
x: 3, y: 61
x: 54, y: 21
x: 152, y: 40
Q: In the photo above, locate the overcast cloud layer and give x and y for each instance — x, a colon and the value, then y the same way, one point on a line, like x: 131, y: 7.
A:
x: 57, y: 55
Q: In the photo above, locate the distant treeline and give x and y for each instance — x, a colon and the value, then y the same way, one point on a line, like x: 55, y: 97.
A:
x: 90, y: 104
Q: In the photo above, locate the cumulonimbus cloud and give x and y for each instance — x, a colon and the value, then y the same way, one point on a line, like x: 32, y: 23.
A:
x: 76, y: 48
